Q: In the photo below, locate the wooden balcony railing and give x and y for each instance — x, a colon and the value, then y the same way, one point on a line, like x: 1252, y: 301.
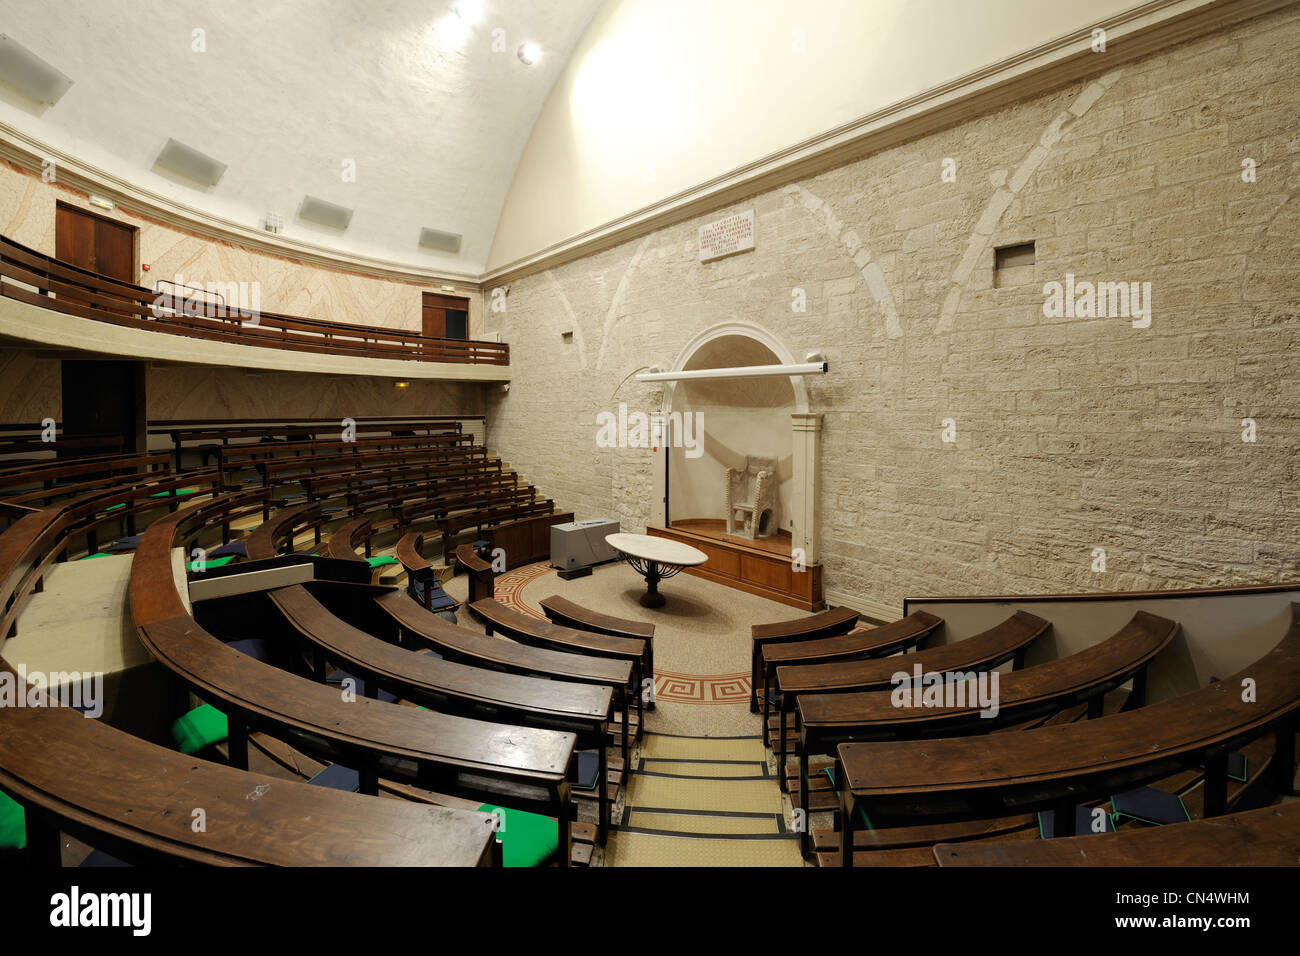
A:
x: 50, y: 283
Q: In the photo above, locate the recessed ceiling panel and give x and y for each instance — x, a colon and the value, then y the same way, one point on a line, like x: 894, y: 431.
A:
x: 24, y: 71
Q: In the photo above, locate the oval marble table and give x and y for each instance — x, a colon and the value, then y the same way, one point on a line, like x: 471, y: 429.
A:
x: 654, y: 559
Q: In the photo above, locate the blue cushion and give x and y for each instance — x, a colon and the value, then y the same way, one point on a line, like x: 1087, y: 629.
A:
x: 439, y: 600
x: 254, y: 647
x: 337, y: 777
x: 234, y: 547
x: 129, y: 543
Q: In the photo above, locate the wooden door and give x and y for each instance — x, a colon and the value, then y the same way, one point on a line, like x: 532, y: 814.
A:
x: 445, y: 316
x: 94, y: 242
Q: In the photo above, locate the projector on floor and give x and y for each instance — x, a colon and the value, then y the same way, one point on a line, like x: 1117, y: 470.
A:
x: 578, y: 545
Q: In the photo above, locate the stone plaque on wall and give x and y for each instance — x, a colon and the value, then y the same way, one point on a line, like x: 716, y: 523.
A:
x: 728, y: 236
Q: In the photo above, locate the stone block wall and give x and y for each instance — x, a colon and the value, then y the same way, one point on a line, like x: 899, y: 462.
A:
x: 1072, y: 432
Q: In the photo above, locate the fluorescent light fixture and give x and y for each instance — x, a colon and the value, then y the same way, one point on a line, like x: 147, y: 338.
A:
x: 27, y: 73
x: 186, y: 161
x: 324, y: 213
x: 743, y: 371
x: 529, y: 53
x: 101, y: 203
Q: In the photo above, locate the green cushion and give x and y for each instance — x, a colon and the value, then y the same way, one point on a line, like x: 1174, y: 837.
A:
x: 381, y: 560
x: 527, y: 839
x: 176, y: 494
x: 13, y: 824
x: 214, y: 562
x: 97, y: 554
x: 115, y: 507
x: 201, y: 727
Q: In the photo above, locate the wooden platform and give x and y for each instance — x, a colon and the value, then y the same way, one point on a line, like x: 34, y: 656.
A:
x: 762, y: 566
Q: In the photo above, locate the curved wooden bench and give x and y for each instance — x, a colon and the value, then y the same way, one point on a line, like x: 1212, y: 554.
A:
x: 1054, y: 768
x: 1007, y: 641
x: 343, y: 541
x: 530, y: 630
x: 481, y: 576
x: 911, y: 631
x: 1269, y: 836
x: 826, y: 720
x: 136, y: 801
x: 522, y: 767
x: 585, y: 709
x: 276, y: 534
x: 839, y: 620
x: 453, y: 525
x: 426, y: 629
x: 562, y: 611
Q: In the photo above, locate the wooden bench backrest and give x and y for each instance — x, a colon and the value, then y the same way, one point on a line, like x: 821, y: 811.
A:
x: 470, y: 645
x: 979, y: 652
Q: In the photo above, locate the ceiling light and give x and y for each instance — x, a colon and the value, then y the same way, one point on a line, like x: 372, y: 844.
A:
x: 471, y: 11
x: 401, y: 385
x: 101, y: 203
x: 529, y: 52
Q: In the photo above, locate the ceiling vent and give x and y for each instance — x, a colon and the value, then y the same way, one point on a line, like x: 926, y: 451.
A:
x: 439, y: 241
x: 324, y: 213
x: 24, y: 71
x: 188, y: 163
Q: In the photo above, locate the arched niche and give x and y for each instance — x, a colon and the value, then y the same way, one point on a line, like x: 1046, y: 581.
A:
x: 765, y: 417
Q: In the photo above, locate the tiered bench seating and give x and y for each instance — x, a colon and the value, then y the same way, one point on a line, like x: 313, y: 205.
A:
x: 586, y: 709
x: 566, y: 613
x: 135, y: 800
x: 1054, y: 768
x: 861, y: 643
x: 1268, y: 836
x: 523, y: 767
x: 530, y: 630
x: 1007, y: 641
x: 1025, y: 696
x: 826, y: 623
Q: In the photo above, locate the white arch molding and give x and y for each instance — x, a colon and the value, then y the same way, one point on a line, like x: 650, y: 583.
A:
x: 805, y: 437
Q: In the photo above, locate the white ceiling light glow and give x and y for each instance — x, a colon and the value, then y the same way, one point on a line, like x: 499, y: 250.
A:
x: 470, y: 11
x: 529, y: 53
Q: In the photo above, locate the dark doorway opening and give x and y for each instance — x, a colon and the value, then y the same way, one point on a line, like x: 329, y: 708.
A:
x: 105, y: 398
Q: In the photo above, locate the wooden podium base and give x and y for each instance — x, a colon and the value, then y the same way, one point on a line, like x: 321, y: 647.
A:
x: 762, y: 566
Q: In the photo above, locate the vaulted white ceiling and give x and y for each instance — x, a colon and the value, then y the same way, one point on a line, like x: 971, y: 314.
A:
x: 434, y: 110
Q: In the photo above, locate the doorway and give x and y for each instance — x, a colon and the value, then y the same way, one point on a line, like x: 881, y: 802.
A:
x: 445, y: 316
x: 94, y: 243
x: 105, y: 397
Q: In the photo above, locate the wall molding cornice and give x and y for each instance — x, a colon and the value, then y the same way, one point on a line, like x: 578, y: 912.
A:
x: 1141, y: 31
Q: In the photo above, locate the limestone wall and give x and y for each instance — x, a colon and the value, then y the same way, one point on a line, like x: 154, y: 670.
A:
x: 1071, y: 433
